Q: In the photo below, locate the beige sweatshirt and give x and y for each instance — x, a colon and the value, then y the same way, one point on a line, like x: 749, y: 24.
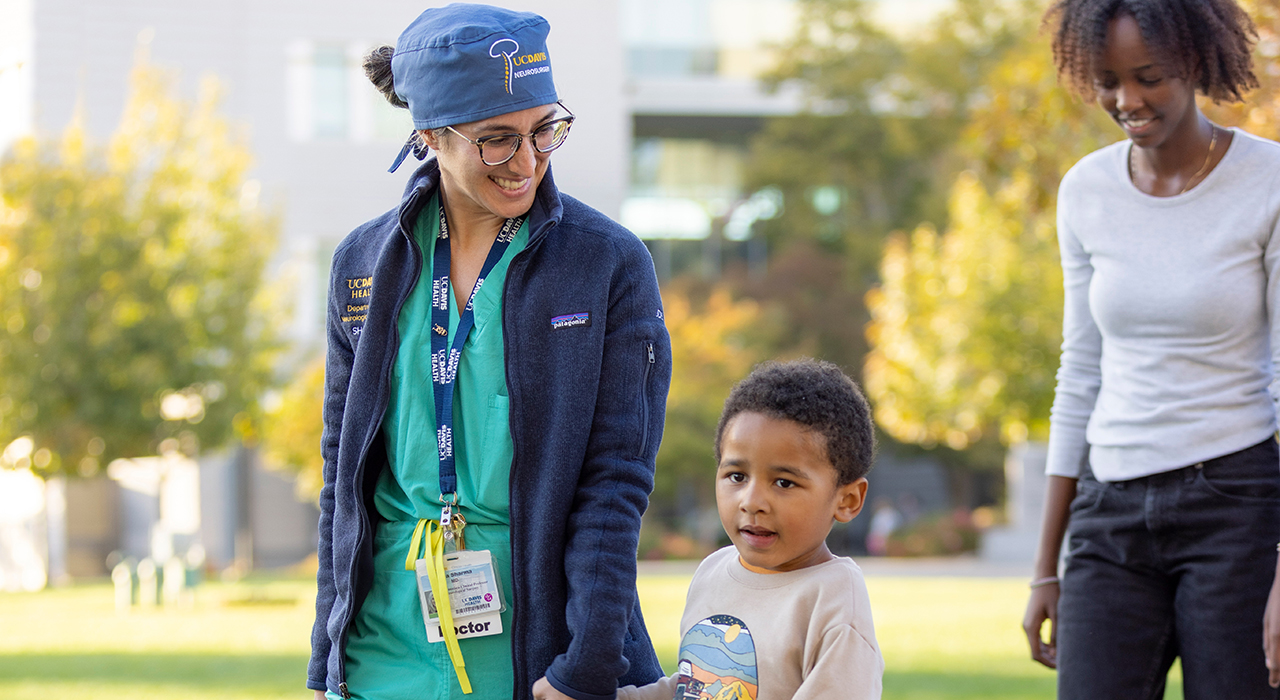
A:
x: 799, y: 635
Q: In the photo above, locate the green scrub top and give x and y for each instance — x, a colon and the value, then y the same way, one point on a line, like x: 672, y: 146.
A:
x: 388, y: 656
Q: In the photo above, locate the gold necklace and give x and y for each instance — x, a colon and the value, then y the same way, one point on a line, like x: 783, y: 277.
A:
x: 1213, y: 141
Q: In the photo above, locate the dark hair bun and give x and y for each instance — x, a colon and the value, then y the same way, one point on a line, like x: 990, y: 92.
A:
x: 377, y: 68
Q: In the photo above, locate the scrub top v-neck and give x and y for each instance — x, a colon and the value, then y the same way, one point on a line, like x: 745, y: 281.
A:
x: 387, y: 654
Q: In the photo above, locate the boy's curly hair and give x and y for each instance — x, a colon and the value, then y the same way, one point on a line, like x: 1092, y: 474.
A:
x: 1207, y: 40
x: 818, y: 396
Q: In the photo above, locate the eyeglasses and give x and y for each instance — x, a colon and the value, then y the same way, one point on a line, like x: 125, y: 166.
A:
x: 500, y: 148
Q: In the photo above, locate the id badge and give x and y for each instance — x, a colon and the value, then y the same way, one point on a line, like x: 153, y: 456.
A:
x: 474, y: 593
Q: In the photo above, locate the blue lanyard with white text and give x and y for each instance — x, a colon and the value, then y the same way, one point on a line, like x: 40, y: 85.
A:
x: 444, y: 359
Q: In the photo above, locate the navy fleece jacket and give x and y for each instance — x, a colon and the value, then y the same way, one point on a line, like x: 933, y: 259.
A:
x: 588, y: 397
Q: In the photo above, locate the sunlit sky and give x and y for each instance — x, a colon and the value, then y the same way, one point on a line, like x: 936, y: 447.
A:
x: 901, y: 15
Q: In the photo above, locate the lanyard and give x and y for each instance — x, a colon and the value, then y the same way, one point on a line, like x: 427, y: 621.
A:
x: 432, y: 536
x: 444, y: 359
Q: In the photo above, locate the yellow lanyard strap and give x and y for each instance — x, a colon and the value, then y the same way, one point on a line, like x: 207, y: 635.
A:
x: 435, y: 573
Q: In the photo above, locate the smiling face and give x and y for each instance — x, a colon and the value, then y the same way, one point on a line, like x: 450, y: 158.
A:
x: 482, y: 192
x: 777, y: 492
x: 1150, y: 99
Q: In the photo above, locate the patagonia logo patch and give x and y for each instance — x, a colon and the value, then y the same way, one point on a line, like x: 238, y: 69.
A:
x: 571, y: 320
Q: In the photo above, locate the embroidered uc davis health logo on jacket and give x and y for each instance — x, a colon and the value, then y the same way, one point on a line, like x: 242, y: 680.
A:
x: 356, y: 309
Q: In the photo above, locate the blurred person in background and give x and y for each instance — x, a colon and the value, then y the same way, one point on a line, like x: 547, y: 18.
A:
x: 885, y: 520
x: 496, y: 382
x: 1163, y: 467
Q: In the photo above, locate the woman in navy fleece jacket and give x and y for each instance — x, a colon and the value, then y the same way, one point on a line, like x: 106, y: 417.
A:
x: 568, y: 348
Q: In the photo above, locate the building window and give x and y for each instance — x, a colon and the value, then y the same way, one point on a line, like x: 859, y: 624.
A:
x: 699, y: 39
x: 671, y: 62
x: 330, y: 103
x: 329, y: 99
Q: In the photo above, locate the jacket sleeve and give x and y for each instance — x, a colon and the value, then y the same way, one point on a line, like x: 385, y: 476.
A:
x: 615, y: 481
x: 337, y: 377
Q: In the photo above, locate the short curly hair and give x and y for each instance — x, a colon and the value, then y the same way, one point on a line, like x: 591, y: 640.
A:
x: 1209, y: 40
x: 818, y: 396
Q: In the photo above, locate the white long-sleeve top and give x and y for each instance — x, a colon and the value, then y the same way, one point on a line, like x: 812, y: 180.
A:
x: 1172, y: 315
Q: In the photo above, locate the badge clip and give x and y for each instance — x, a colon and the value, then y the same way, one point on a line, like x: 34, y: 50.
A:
x: 451, y: 525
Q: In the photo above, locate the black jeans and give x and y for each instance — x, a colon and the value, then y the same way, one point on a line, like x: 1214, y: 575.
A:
x: 1177, y: 564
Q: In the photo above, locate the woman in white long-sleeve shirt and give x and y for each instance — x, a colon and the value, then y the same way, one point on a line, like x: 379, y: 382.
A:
x: 1163, y: 465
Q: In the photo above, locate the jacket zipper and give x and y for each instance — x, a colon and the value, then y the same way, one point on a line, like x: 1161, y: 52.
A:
x: 517, y: 658
x: 644, y: 399
x: 364, y: 453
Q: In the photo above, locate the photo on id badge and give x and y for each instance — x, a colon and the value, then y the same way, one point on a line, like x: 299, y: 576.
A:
x: 471, y: 578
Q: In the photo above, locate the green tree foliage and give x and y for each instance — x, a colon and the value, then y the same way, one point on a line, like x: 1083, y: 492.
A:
x: 966, y: 324
x: 874, y: 152
x: 813, y: 307
x: 132, y: 309
x: 883, y: 113
x: 292, y: 429
x: 715, y: 341
x: 843, y: 165
x: 1030, y: 126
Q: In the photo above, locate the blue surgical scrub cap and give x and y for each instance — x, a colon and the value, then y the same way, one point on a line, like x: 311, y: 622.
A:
x: 462, y: 63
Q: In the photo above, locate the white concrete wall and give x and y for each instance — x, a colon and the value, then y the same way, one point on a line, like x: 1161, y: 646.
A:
x: 17, y: 51
x: 23, y: 531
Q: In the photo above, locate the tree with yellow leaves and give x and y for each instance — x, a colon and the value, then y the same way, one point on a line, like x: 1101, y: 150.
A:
x: 132, y: 305
x: 292, y: 429
x: 715, y: 341
x: 966, y: 324
x: 964, y: 334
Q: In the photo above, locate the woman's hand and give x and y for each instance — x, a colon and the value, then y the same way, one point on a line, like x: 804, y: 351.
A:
x: 1271, y: 631
x: 1043, y: 606
x: 319, y: 695
x: 542, y: 690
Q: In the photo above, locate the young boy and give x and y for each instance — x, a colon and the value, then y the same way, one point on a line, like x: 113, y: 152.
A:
x: 777, y: 615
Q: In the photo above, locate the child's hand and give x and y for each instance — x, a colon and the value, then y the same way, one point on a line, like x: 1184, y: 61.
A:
x: 542, y: 690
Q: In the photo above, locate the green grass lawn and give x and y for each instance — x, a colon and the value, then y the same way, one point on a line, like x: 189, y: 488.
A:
x: 951, y: 638
x: 70, y: 644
